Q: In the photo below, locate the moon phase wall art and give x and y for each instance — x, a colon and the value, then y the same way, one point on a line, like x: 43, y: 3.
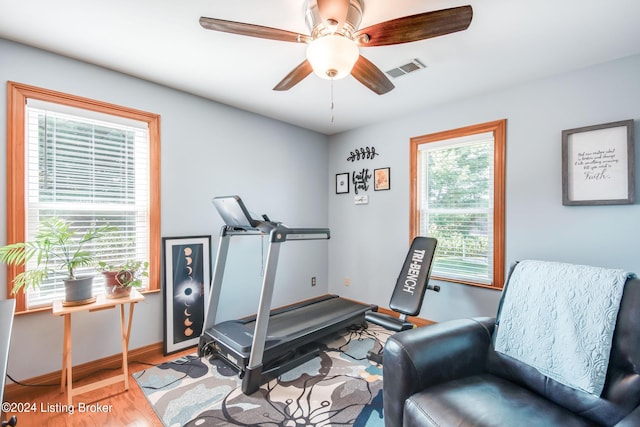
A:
x: 187, y: 277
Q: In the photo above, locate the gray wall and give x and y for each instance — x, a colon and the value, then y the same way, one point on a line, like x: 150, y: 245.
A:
x: 370, y: 241
x: 208, y: 149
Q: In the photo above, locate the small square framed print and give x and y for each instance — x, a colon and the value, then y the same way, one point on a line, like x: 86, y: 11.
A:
x: 342, y: 183
x: 382, y: 179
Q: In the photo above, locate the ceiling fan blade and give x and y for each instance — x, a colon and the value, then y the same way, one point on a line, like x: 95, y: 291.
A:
x: 252, y: 30
x: 295, y: 76
x: 369, y: 75
x: 333, y: 12
x: 416, y: 27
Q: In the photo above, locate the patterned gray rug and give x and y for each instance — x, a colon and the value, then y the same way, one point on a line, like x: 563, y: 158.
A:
x: 340, y: 387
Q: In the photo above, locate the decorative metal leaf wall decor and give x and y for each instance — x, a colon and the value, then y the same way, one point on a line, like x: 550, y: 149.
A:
x: 363, y: 153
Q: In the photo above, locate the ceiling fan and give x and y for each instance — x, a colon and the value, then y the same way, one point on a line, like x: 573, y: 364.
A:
x: 335, y: 38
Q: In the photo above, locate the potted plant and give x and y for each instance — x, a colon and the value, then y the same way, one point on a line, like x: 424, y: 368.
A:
x: 56, y: 247
x: 120, y: 278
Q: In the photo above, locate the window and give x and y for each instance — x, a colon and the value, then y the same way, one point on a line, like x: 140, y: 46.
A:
x: 457, y: 197
x: 90, y: 163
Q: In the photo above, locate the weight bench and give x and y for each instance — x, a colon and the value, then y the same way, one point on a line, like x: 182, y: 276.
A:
x: 411, y: 286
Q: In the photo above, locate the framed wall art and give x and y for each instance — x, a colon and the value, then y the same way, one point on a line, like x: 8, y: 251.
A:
x: 342, y: 183
x: 598, y: 165
x: 382, y: 179
x: 187, y: 277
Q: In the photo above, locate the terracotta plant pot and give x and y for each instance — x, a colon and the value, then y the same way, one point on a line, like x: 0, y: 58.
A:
x: 115, y: 283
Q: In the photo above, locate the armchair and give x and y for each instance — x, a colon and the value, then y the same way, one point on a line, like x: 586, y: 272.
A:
x: 449, y: 374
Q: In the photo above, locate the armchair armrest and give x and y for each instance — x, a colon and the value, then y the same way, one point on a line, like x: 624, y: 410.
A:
x: 426, y: 356
x: 631, y: 420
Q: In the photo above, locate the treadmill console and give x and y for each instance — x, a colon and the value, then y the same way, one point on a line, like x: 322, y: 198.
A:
x: 235, y: 214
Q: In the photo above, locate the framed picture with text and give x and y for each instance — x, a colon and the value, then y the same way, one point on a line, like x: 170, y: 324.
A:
x: 598, y: 165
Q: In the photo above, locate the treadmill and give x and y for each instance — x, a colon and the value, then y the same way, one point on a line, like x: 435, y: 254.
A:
x: 263, y: 346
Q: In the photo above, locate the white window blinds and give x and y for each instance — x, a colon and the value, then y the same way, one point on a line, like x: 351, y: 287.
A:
x: 455, y: 187
x: 89, y: 169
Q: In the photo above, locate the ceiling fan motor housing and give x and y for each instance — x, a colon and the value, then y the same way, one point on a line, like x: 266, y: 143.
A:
x: 319, y: 27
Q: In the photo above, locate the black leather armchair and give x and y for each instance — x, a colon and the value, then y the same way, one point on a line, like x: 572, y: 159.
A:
x: 448, y: 374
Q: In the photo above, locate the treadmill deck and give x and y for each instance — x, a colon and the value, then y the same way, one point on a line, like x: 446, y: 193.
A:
x: 296, y: 325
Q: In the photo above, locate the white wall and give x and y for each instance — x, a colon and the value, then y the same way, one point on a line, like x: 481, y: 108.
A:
x: 370, y: 241
x: 208, y: 149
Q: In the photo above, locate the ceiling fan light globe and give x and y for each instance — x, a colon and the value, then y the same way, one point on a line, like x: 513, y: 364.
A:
x: 332, y: 56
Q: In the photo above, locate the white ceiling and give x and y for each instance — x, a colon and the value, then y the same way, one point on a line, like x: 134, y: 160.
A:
x: 508, y: 42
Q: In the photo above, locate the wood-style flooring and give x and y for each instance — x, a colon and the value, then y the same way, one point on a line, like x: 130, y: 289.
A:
x: 110, y: 406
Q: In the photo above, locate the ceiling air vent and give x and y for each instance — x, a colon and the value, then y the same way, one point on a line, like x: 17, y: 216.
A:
x: 413, y: 65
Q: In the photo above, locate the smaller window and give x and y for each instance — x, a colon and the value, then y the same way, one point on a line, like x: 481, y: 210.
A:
x: 457, y: 198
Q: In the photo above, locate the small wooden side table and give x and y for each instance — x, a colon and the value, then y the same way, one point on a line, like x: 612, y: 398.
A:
x: 101, y: 303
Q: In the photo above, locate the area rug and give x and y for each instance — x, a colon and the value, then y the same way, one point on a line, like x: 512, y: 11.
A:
x: 340, y: 387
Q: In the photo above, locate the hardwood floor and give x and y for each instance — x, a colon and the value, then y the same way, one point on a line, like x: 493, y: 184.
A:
x: 111, y: 406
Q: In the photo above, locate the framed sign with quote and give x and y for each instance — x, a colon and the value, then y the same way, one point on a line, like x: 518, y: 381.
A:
x: 598, y: 165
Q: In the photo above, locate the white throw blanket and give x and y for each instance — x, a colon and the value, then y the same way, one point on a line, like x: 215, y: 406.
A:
x: 559, y: 318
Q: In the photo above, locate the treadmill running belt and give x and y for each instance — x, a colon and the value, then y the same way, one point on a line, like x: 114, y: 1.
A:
x: 313, y: 319
x: 309, y: 318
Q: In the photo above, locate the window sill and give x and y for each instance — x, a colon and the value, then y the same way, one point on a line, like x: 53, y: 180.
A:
x: 464, y: 282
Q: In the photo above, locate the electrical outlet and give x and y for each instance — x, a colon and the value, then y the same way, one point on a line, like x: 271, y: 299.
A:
x: 347, y: 281
x: 313, y: 281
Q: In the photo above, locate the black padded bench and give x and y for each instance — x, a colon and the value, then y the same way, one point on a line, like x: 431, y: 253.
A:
x: 411, y: 285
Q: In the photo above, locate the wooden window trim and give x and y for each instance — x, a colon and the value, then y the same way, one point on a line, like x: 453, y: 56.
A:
x: 17, y: 95
x: 498, y: 128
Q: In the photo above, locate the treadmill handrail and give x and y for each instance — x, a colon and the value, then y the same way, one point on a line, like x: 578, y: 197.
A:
x: 232, y: 230
x: 279, y: 233
x: 283, y: 233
